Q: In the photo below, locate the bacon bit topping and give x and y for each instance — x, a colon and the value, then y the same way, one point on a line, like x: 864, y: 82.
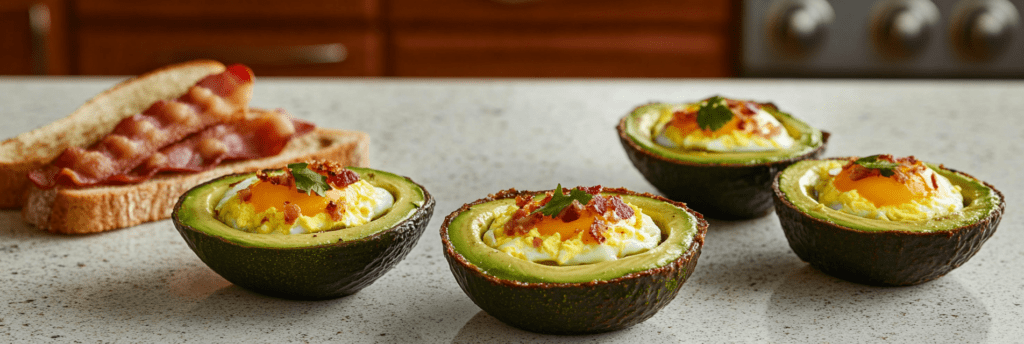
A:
x: 537, y: 242
x: 621, y: 210
x: 572, y: 212
x: 935, y: 183
x: 597, y: 230
x: 610, y: 209
x: 335, y: 210
x: 291, y: 212
x: 276, y: 178
x: 245, y: 194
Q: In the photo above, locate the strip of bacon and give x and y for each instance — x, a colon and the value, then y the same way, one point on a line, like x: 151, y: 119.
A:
x: 217, y: 98
x: 258, y: 137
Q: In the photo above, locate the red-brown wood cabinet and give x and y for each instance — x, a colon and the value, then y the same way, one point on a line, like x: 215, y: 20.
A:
x: 437, y: 38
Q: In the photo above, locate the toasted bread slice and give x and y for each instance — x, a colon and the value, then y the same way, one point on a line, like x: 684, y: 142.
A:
x: 90, y: 122
x: 102, y: 208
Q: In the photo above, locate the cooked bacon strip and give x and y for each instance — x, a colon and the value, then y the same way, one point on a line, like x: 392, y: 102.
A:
x: 217, y: 98
x: 251, y: 138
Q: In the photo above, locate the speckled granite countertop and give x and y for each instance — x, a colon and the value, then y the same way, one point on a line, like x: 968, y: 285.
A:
x: 467, y: 138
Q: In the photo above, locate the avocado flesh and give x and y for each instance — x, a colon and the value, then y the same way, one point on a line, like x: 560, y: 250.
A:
x: 576, y: 299
x: 717, y: 184
x: 879, y: 252
x: 305, y: 266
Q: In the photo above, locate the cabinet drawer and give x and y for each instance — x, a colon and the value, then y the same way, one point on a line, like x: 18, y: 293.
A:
x: 689, y: 12
x: 349, y: 10
x: 284, y: 51
x: 645, y: 53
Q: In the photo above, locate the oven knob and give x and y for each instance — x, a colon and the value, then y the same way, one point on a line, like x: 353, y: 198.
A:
x: 982, y: 29
x: 797, y: 27
x: 900, y: 29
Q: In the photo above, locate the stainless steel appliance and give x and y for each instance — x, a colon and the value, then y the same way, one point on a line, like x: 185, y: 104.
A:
x: 883, y: 38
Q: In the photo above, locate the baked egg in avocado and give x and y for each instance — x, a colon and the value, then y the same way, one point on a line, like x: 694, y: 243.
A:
x: 541, y: 289
x: 718, y: 155
x: 882, y: 220
x: 272, y: 201
x: 328, y: 263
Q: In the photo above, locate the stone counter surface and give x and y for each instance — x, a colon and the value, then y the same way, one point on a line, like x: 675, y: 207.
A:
x: 464, y: 139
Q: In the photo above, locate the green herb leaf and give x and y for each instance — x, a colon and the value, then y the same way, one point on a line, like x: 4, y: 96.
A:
x: 307, y: 180
x: 713, y: 114
x: 886, y: 168
x: 559, y: 201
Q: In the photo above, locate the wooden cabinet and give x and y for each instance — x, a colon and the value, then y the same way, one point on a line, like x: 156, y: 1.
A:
x: 305, y: 38
x: 32, y: 37
x: 437, y: 38
x: 563, y: 38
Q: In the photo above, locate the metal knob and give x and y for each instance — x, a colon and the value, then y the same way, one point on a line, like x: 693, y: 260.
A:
x: 900, y: 29
x: 982, y: 29
x: 797, y: 27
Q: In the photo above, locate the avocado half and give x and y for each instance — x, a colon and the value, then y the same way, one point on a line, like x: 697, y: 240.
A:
x: 311, y: 266
x: 879, y: 252
x: 577, y: 299
x: 724, y: 186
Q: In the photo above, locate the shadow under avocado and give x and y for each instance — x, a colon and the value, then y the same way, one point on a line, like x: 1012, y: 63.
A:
x: 810, y: 306
x: 483, y: 328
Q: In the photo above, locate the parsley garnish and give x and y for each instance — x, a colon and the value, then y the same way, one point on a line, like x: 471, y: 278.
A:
x: 886, y: 168
x: 713, y: 114
x: 559, y: 201
x: 307, y: 180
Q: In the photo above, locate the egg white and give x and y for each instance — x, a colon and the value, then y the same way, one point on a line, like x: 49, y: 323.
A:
x: 363, y: 203
x: 944, y: 200
x: 625, y: 237
x: 758, y: 140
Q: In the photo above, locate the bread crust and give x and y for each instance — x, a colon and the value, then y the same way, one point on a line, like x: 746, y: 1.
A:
x: 102, y: 208
x: 92, y: 120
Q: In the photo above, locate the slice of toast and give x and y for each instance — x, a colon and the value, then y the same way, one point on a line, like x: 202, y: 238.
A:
x: 90, y: 122
x: 102, y: 208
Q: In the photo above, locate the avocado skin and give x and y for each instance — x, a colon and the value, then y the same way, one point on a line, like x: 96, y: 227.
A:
x: 574, y: 308
x: 720, y: 191
x: 310, y: 273
x: 887, y: 258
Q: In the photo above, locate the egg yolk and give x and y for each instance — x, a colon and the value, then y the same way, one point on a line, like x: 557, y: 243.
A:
x: 883, y: 191
x: 270, y: 195
x: 548, y: 226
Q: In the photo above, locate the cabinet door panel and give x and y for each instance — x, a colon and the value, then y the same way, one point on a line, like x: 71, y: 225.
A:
x: 363, y: 10
x: 284, y: 51
x: 562, y: 54
x: 686, y: 12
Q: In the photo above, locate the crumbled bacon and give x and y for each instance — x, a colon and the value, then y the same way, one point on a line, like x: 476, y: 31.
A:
x: 245, y: 194
x: 523, y: 200
x: 291, y: 212
x: 521, y: 222
x: 597, y: 230
x: 621, y: 210
x: 935, y: 182
x: 593, y: 190
x: 285, y: 179
x: 343, y: 179
x: 335, y: 210
x: 537, y: 242
x: 599, y: 204
x: 571, y: 212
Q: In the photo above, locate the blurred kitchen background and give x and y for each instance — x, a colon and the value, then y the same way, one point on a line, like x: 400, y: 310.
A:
x: 521, y: 38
